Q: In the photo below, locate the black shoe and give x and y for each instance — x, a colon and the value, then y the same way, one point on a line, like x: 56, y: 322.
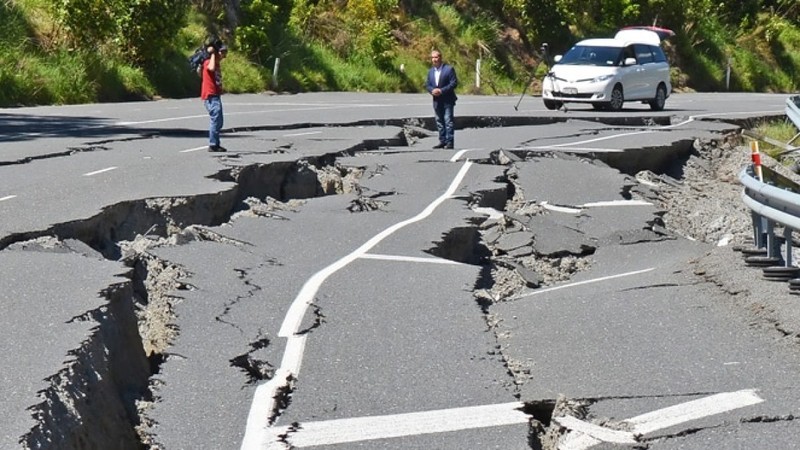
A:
x: 217, y: 148
x: 439, y: 145
x: 449, y: 146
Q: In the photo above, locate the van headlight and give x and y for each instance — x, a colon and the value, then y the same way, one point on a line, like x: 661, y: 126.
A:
x: 602, y: 78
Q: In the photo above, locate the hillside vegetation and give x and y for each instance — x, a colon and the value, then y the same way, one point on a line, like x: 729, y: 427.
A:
x: 78, y: 51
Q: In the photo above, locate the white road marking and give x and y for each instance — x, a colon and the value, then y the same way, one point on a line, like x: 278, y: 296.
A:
x: 603, y: 204
x: 410, y: 424
x: 302, y: 134
x: 601, y: 434
x: 414, y: 259
x: 7, y: 197
x: 257, y: 431
x: 107, y: 169
x: 195, y: 149
x: 666, y: 417
x: 461, y: 153
x: 491, y: 212
x: 595, y: 280
x: 616, y: 203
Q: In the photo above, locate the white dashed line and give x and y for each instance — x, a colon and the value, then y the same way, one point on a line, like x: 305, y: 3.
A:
x: 107, y: 169
x: 302, y: 134
x: 7, y: 197
x: 195, y: 149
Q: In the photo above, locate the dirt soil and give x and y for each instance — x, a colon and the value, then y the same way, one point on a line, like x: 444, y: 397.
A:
x: 705, y: 204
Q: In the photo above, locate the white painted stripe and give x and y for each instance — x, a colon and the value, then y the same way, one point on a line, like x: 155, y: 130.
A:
x: 7, y: 197
x: 616, y: 203
x: 309, y: 290
x: 411, y: 424
x: 264, y: 397
x: 491, y: 212
x: 666, y: 417
x: 414, y: 259
x: 562, y: 209
x: 258, y: 434
x: 107, y: 169
x: 579, y: 283
x: 561, y: 147
x: 596, y: 431
x: 696, y: 409
x: 302, y: 134
x: 195, y: 149
x: 461, y: 153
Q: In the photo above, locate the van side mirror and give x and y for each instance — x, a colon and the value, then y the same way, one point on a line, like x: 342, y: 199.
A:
x: 557, y: 58
x: 629, y: 62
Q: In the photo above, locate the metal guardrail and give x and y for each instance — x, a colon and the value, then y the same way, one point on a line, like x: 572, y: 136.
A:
x: 776, y: 201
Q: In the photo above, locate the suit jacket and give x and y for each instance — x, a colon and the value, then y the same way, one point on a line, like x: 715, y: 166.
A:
x: 447, y: 83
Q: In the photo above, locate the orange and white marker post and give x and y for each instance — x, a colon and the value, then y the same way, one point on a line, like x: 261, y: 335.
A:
x: 756, y: 160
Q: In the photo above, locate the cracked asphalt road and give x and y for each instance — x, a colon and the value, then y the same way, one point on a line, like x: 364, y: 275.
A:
x: 418, y: 331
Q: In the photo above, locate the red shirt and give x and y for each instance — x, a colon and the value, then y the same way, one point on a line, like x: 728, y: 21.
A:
x: 212, y: 81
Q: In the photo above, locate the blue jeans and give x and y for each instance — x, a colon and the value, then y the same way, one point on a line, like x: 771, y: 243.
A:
x: 444, y: 122
x: 214, y: 108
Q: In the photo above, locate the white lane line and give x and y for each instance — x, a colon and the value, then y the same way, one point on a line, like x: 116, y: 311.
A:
x: 107, y: 169
x: 461, y: 153
x: 693, y: 410
x: 601, y: 434
x: 298, y: 308
x: 302, y: 134
x: 358, y: 429
x: 257, y: 431
x: 195, y: 149
x: 595, y: 280
x: 616, y: 203
x: 579, y: 208
x: 7, y: 197
x: 662, y: 418
x: 414, y: 259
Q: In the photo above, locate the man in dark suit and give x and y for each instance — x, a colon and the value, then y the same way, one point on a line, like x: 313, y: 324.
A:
x: 441, y: 84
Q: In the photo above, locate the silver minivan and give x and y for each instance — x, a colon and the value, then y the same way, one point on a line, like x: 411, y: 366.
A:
x: 608, y: 72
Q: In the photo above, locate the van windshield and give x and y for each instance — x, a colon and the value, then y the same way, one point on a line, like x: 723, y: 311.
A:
x: 590, y: 55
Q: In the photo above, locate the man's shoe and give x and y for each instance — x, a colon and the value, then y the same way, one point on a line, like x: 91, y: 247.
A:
x: 449, y: 146
x: 439, y: 145
x: 217, y: 148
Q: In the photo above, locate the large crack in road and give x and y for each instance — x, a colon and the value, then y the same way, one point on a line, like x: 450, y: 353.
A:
x: 103, y: 395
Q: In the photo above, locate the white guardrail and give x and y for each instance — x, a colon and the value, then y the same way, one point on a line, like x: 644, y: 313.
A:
x: 773, y: 202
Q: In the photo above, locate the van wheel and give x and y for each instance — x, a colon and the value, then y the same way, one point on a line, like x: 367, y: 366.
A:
x: 552, y: 104
x: 657, y: 104
x: 617, y: 99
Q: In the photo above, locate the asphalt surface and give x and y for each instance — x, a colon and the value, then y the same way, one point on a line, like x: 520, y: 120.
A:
x: 314, y: 326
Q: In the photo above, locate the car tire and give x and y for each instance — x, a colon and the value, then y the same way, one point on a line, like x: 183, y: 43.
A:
x: 657, y: 104
x: 552, y: 104
x: 617, y: 99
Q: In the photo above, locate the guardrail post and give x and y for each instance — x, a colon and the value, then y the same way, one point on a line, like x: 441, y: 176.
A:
x: 787, y: 236
x: 773, y: 248
x: 758, y: 230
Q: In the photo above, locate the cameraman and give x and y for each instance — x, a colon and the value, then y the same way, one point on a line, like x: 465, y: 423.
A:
x: 211, y: 91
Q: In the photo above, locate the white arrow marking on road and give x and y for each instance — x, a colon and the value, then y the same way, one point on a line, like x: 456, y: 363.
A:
x: 7, y: 197
x: 358, y: 429
x: 587, y: 435
x: 107, y: 169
